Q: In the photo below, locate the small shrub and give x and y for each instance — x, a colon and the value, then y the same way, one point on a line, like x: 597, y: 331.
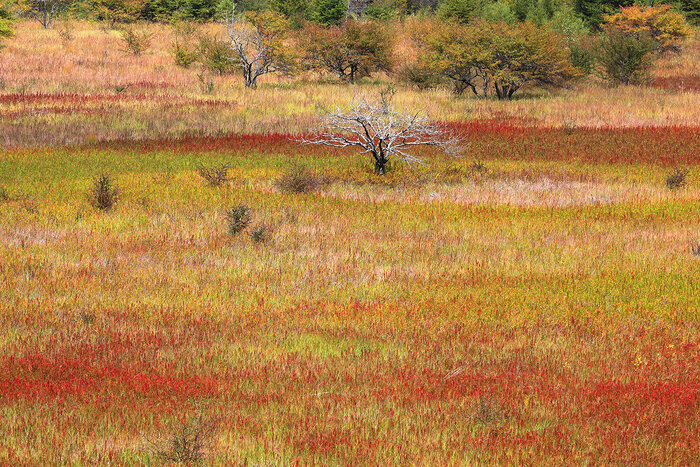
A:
x: 87, y: 317
x: 207, y: 84
x: 4, y: 195
x: 183, y: 55
x: 261, y: 233
x: 676, y: 179
x: 135, y: 42
x: 624, y: 58
x: 215, y: 175
x: 298, y: 179
x: 189, y: 442
x: 238, y: 219
x: 216, y: 56
x: 65, y: 32
x: 695, y: 249
x: 419, y: 76
x: 104, y: 194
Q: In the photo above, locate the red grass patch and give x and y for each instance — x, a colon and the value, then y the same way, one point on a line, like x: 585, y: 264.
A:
x: 686, y: 83
x: 484, y: 139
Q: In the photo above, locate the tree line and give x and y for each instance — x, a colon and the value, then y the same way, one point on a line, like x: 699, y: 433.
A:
x: 590, y: 12
x: 485, y: 49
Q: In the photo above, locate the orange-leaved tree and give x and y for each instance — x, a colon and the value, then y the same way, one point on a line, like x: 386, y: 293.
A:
x: 666, y: 27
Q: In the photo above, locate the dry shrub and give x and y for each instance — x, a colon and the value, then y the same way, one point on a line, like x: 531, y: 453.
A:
x: 695, y: 248
x: 298, y: 179
x: 487, y: 412
x: 677, y: 179
x: 261, y: 233
x: 238, y: 218
x: 104, y: 194
x: 66, y: 33
x: 214, y: 175
x: 4, y: 195
x: 189, y: 442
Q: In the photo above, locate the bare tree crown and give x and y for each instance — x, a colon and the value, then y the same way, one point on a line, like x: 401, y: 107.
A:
x: 374, y: 126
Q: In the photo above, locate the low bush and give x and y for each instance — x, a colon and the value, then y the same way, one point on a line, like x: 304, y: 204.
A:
x: 677, y: 179
x: 135, y: 42
x: 624, y: 58
x: 104, y: 194
x: 183, y: 55
x: 261, y: 233
x: 298, y: 179
x: 214, y: 175
x: 238, y: 218
x: 216, y: 55
x: 190, y: 442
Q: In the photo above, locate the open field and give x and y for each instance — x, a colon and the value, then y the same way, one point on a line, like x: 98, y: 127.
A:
x: 545, y: 311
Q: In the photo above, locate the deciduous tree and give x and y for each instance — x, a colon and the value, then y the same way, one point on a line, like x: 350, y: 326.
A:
x: 43, y: 11
x: 374, y: 126
x: 488, y: 56
x: 350, y: 51
x: 258, y: 44
x: 660, y: 23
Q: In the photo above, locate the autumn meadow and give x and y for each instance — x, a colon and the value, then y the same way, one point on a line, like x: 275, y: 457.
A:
x: 185, y: 279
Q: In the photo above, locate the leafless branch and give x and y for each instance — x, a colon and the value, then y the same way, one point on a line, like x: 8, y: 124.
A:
x: 378, y: 129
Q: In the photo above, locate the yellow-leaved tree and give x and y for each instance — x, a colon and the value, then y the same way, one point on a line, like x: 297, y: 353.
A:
x: 666, y: 27
x: 496, y: 57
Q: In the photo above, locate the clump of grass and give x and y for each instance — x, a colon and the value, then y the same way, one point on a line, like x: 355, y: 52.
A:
x: 238, y: 218
x: 677, y: 179
x: 189, y: 442
x: 214, y: 175
x: 261, y: 233
x: 103, y: 194
x: 479, y: 171
x: 298, y: 179
x: 135, y: 42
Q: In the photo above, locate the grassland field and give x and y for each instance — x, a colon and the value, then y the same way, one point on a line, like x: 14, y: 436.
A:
x: 543, y: 311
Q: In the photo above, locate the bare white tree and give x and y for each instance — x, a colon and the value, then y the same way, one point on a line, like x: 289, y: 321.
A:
x: 378, y: 129
x: 257, y: 46
x: 44, y: 11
